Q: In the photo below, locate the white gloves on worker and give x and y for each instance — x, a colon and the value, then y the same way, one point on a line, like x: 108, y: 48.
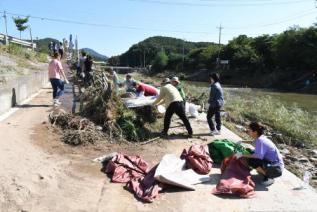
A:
x: 238, y: 155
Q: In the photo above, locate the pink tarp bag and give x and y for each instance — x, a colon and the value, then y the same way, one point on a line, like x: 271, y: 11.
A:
x: 235, y: 179
x: 147, y: 189
x: 124, y: 168
x: 134, y: 171
x: 197, y: 158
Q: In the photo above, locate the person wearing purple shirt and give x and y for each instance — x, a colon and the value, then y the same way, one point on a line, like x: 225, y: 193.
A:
x: 266, y: 159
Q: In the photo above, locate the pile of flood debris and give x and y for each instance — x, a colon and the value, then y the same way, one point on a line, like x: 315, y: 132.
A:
x: 104, y: 117
x: 76, y: 130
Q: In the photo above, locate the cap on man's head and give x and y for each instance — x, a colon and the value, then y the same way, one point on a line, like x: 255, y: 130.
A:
x: 166, y: 80
x: 175, y: 79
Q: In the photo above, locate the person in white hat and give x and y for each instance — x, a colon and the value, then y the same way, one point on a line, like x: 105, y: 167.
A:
x: 174, y: 104
x: 175, y: 81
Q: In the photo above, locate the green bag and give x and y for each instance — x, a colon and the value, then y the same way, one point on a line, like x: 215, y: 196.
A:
x: 222, y: 148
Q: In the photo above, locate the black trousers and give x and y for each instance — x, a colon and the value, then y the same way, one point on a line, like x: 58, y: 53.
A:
x: 272, y: 171
x: 214, y: 111
x: 179, y: 109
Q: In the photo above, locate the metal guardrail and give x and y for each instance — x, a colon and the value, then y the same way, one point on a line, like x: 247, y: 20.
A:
x: 11, y: 39
x: 118, y: 68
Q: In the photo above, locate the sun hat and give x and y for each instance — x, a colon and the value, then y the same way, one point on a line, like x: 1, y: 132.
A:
x: 175, y: 79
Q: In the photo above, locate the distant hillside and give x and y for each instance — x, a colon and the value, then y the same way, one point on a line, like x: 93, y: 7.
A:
x: 42, y: 44
x: 146, y: 51
x: 94, y: 54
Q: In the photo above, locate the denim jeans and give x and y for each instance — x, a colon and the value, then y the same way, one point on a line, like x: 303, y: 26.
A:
x: 58, y: 87
x: 214, y: 111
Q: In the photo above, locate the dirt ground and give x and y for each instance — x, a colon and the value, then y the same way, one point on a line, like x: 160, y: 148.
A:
x: 40, y: 173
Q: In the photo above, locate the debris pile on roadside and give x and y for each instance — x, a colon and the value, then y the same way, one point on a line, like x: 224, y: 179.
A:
x: 76, y: 130
x: 103, y: 116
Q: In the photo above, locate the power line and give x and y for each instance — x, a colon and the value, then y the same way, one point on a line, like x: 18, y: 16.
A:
x: 109, y: 26
x: 287, y: 19
x: 105, y: 25
x: 159, y: 30
x: 218, y: 3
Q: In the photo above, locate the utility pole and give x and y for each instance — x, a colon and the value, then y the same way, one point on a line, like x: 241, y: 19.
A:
x: 143, y: 58
x: 31, y: 37
x: 77, y: 50
x: 219, y: 47
x: 183, y: 54
x: 6, y: 26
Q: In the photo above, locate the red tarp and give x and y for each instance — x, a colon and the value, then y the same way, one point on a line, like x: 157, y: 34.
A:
x: 124, y: 168
x: 134, y: 171
x: 147, y: 188
x: 197, y: 158
x: 235, y: 179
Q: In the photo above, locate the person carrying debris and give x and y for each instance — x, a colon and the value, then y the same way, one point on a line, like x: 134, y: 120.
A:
x: 51, y: 48
x: 176, y: 83
x: 216, y: 101
x: 81, y: 65
x: 55, y: 73
x: 266, y: 159
x: 61, y: 49
x: 88, y: 69
x: 174, y: 104
x: 143, y: 89
x: 128, y: 83
x: 115, y: 79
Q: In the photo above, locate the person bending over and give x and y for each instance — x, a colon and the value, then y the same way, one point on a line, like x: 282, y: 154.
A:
x: 143, y: 89
x: 174, y: 104
x: 266, y: 159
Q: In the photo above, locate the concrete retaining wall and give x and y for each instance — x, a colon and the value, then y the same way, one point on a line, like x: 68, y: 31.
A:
x: 20, y: 88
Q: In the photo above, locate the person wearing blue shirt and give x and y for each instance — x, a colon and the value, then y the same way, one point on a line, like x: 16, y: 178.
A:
x: 216, y: 101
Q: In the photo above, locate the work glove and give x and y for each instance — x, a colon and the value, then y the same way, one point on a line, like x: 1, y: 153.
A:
x: 238, y: 155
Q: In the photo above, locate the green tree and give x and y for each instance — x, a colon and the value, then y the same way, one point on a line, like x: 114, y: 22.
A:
x: 160, y: 61
x: 263, y: 45
x: 241, y: 53
x: 114, y: 61
x: 20, y: 23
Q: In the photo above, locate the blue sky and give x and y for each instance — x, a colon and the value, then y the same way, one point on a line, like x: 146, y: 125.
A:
x: 122, y: 23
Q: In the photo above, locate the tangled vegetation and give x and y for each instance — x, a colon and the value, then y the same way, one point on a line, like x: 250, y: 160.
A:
x: 292, y: 122
x: 20, y: 52
x: 106, y: 114
x: 76, y: 130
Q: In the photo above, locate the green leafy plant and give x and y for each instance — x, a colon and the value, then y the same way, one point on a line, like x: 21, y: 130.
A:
x: 20, y: 23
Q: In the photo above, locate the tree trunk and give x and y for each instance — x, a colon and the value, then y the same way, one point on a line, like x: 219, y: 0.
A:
x: 20, y: 35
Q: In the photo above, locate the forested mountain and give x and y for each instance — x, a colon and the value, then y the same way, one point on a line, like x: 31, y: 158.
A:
x: 95, y: 55
x: 287, y: 60
x: 145, y: 52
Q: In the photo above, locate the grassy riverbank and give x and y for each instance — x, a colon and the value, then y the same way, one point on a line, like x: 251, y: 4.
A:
x: 23, y: 54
